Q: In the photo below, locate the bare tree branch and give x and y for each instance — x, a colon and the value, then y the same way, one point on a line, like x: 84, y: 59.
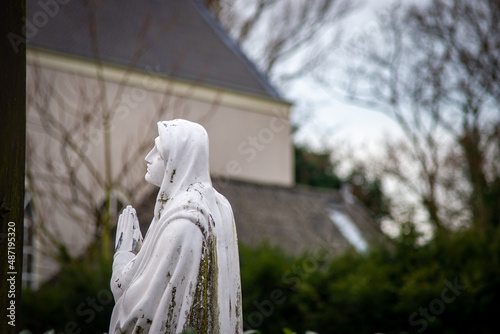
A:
x: 439, y: 74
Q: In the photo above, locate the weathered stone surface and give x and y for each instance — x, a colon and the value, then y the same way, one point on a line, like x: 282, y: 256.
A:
x: 185, y: 273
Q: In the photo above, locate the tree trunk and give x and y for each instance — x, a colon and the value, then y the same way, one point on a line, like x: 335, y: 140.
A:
x: 12, y: 149
x: 477, y: 178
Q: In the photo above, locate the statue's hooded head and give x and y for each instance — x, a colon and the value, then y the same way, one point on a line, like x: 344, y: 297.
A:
x: 179, y: 158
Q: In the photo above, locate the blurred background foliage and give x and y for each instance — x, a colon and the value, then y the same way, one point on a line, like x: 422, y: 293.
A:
x: 320, y: 169
x: 77, y: 300
x: 437, y: 74
x: 396, y: 289
x: 449, y: 285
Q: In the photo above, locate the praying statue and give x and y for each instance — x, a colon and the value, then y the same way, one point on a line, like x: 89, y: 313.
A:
x: 185, y: 274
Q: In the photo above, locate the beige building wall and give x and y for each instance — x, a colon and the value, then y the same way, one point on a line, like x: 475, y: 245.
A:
x: 250, y: 137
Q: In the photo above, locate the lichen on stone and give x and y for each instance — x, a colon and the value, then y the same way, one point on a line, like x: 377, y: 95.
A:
x: 204, y: 313
x: 163, y: 200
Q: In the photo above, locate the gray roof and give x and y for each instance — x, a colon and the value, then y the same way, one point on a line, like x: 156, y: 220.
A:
x: 296, y: 219
x: 175, y: 38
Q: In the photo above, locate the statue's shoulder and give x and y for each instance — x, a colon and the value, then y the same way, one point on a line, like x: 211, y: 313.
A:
x: 185, y: 225
x: 222, y: 200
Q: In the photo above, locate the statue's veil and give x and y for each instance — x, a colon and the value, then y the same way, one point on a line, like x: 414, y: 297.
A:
x: 186, y: 274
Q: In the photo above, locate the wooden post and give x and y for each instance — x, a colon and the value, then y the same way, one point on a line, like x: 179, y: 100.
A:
x: 12, y: 160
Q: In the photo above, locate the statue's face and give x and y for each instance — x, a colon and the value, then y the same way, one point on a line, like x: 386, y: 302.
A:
x: 156, y: 167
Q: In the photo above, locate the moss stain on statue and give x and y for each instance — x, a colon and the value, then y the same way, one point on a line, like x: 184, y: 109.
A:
x: 204, y: 310
x: 237, y: 311
x: 163, y: 200
x: 170, y: 313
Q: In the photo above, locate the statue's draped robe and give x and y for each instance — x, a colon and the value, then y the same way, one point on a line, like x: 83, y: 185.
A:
x: 186, y: 275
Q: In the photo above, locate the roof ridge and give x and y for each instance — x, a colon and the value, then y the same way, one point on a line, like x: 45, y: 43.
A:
x: 192, y: 47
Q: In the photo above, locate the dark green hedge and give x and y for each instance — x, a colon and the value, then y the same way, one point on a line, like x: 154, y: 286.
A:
x: 77, y: 300
x: 450, y: 285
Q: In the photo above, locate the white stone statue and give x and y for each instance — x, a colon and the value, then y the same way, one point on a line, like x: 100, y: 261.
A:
x: 185, y: 274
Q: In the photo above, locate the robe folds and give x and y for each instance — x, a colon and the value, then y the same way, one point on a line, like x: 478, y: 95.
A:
x: 186, y: 274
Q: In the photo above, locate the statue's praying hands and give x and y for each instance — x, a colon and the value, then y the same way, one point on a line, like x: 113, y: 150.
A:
x: 128, y: 232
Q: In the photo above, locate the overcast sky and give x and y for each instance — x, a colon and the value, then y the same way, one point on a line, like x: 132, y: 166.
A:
x: 327, y: 119
x: 323, y: 113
